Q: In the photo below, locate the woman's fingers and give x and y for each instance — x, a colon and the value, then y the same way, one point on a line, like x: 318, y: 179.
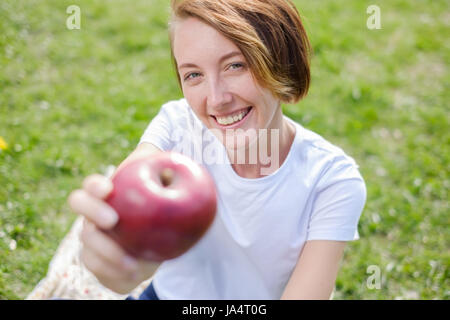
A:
x: 98, y: 186
x: 95, y: 210
x: 100, y: 243
x: 101, y: 268
x: 104, y: 257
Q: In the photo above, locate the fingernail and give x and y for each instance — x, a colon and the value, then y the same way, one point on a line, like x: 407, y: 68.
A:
x: 104, y: 188
x: 108, y: 216
x: 107, y: 187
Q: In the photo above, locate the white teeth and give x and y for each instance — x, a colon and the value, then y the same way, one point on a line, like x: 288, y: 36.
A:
x: 229, y: 120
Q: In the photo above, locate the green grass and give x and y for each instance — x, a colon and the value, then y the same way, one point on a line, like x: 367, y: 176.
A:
x: 74, y: 102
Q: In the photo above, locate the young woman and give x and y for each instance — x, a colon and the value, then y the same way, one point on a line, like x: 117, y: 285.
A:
x: 286, y: 211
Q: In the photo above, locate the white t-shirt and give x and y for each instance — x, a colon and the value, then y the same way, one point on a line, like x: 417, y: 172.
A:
x: 261, y: 224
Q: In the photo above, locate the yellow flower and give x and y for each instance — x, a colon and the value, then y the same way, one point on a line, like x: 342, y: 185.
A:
x: 3, y: 144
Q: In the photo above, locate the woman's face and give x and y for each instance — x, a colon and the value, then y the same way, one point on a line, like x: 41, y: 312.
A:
x: 218, y: 84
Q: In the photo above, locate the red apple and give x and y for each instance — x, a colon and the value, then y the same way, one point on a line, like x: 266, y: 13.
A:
x: 165, y: 202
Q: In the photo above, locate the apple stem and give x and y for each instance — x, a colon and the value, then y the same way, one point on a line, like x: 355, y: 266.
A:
x: 166, y: 176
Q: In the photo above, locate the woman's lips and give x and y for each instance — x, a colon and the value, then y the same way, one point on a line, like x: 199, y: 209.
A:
x: 236, y: 124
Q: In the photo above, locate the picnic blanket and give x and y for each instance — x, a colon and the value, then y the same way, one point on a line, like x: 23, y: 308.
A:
x: 68, y: 278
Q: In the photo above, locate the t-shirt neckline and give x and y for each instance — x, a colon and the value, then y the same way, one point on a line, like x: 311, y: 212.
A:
x: 234, y: 176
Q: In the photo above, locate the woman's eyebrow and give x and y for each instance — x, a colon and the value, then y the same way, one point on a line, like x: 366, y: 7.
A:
x: 225, y: 57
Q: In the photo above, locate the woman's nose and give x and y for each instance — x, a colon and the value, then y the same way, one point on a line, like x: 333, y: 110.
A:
x: 218, y: 95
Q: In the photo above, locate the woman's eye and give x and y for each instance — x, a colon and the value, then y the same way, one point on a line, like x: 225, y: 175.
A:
x: 238, y: 65
x: 233, y: 66
x: 188, y: 77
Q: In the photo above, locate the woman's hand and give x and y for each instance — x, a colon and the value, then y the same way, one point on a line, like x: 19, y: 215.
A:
x: 101, y: 254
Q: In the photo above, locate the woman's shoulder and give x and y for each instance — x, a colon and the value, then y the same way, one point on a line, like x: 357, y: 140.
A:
x: 326, y: 162
x: 176, y: 106
x: 316, y: 146
x: 179, y: 111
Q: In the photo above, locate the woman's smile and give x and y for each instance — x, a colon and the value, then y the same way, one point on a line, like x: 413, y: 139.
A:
x: 234, y: 119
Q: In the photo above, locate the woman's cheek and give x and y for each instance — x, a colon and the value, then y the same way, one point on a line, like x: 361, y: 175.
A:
x: 196, y: 105
x: 192, y: 97
x: 244, y: 87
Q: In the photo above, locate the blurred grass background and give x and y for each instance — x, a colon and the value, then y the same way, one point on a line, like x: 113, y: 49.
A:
x: 73, y: 102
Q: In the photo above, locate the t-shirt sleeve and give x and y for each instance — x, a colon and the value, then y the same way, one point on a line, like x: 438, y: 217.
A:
x: 160, y: 129
x: 340, y: 199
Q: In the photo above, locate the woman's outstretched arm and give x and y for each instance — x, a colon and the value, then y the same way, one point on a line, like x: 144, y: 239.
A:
x: 315, y: 274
